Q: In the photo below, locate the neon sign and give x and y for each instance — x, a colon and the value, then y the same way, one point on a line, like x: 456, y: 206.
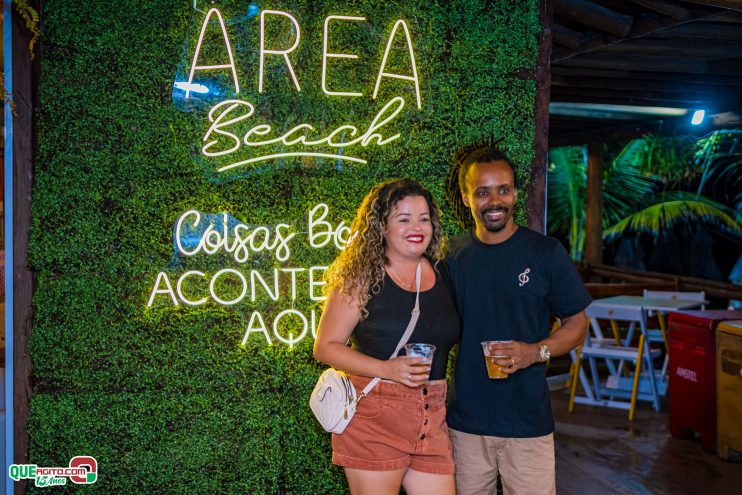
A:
x: 298, y: 135
x: 242, y: 242
x: 285, y: 52
x: 230, y: 65
x: 412, y: 78
x: 232, y: 138
x: 326, y: 55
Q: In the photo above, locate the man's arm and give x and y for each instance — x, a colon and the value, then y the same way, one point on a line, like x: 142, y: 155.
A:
x: 569, y: 335
x: 522, y: 355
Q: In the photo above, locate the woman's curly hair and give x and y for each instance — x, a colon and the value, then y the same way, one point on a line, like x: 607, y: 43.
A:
x: 359, y: 270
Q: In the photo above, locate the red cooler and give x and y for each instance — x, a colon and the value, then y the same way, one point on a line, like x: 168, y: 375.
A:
x: 692, y: 346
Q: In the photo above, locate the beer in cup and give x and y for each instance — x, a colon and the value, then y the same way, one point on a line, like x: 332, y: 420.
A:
x: 424, y: 351
x: 493, y: 369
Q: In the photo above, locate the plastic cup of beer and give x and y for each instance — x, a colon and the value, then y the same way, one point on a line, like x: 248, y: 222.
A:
x: 493, y: 369
x: 424, y: 351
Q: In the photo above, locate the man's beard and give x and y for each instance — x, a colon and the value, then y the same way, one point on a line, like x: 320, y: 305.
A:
x: 494, y: 225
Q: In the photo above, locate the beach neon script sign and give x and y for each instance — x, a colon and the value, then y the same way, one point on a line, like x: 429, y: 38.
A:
x: 243, y: 243
x: 237, y: 142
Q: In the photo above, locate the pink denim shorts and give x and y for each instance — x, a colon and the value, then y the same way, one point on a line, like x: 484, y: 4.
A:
x: 397, y: 427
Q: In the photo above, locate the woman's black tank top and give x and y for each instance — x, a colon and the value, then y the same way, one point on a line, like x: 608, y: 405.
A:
x: 389, y: 313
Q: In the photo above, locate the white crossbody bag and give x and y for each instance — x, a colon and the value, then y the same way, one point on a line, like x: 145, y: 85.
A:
x: 334, y: 399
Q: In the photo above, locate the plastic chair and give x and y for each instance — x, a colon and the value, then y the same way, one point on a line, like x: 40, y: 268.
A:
x: 617, y: 354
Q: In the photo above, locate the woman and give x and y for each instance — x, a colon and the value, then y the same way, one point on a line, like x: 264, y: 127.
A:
x: 398, y: 436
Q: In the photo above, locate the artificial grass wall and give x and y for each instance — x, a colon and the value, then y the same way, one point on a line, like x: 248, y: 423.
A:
x: 167, y: 397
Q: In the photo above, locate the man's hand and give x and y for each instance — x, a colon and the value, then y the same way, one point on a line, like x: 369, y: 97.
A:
x: 522, y: 355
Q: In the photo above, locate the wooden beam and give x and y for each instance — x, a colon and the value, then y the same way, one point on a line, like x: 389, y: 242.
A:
x: 712, y: 288
x: 536, y: 204
x: 651, y: 24
x: 728, y: 119
x: 559, y: 81
x: 595, y: 16
x: 572, y: 122
x: 635, y: 75
x: 733, y: 16
x: 655, y: 64
x: 688, y: 94
x: 594, y: 204
x: 664, y: 7
x: 641, y: 27
x: 25, y: 96
x: 610, y: 134
x: 724, y: 4
x: 703, y: 31
x: 590, y: 43
x: 695, y: 49
x: 566, y: 37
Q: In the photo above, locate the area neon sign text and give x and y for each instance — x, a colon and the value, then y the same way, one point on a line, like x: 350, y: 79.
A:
x: 221, y: 140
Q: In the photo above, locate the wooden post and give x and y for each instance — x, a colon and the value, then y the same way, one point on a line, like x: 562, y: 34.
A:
x: 537, y: 192
x: 25, y: 97
x: 594, y: 207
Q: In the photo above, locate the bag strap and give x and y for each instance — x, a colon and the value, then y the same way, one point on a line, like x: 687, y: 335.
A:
x: 407, y: 333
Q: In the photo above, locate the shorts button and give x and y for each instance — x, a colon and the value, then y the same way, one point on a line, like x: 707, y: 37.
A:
x: 425, y: 391
x: 425, y: 406
x: 422, y: 437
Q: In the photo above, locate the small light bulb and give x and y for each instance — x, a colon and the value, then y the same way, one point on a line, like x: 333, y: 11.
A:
x: 698, y: 116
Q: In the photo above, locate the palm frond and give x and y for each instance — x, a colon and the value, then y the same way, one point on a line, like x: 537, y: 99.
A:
x: 668, y: 158
x: 689, y: 196
x: 666, y: 215
x: 624, y: 189
x: 719, y: 156
x: 567, y: 187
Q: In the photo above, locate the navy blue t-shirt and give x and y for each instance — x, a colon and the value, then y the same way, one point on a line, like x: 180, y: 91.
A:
x: 507, y: 291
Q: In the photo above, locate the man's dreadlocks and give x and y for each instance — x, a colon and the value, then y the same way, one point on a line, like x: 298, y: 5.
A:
x: 482, y: 151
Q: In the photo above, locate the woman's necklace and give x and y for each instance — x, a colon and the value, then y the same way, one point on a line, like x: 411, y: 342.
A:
x: 399, y: 279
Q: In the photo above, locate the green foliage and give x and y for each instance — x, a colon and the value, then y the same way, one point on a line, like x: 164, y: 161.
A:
x: 719, y: 156
x: 660, y: 156
x: 630, y: 201
x: 186, y: 442
x: 166, y: 398
x: 624, y: 187
x: 678, y: 208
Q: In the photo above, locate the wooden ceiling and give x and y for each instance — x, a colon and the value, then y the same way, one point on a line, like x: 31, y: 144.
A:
x: 649, y: 53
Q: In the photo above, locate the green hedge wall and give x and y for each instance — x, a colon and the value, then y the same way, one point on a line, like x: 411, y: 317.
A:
x: 166, y: 397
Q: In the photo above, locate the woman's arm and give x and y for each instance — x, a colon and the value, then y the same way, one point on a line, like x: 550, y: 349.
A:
x: 340, y: 317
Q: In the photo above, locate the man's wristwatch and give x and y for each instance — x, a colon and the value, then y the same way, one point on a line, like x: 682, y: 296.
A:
x: 543, y: 353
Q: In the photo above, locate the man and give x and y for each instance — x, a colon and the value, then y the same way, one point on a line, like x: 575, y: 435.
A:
x: 508, y: 279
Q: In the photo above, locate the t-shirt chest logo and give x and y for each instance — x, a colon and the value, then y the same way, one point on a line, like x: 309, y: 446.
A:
x: 523, y: 277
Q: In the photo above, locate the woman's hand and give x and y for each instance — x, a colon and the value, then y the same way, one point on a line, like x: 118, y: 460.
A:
x: 410, y: 371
